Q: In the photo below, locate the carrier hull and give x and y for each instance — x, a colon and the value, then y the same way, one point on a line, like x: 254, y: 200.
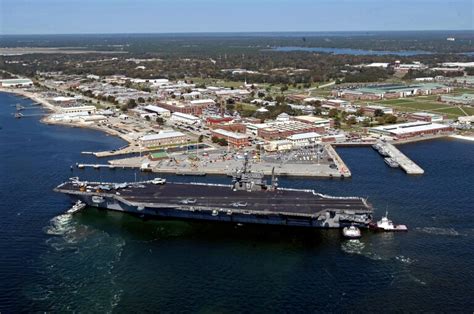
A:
x: 221, y: 203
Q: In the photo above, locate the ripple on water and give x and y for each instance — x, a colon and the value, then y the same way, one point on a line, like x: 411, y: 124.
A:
x: 71, y: 279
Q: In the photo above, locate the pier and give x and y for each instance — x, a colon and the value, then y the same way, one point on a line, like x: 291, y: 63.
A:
x: 410, y: 167
x: 341, y: 165
x: 95, y: 166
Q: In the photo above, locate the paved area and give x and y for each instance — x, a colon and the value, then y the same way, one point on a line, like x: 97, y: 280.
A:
x: 321, y: 161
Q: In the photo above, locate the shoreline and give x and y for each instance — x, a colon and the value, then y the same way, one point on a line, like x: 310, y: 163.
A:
x: 47, y: 105
x: 31, y: 96
x: 463, y: 137
x: 342, y: 167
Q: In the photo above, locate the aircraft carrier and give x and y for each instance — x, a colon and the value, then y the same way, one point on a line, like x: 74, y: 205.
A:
x: 248, y: 200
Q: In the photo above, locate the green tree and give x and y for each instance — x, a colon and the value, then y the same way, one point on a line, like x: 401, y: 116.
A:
x: 351, y: 121
x: 333, y: 113
x: 378, y: 113
x: 131, y: 103
x: 390, y: 118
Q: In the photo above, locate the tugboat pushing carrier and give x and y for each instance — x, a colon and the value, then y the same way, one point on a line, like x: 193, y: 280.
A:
x: 249, y: 200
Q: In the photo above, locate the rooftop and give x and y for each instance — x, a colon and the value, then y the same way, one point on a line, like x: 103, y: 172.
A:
x: 409, y: 127
x: 155, y: 108
x: 303, y: 136
x: 230, y: 134
x: 185, y: 116
x: 161, y: 135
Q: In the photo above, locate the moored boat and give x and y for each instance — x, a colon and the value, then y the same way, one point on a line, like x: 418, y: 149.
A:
x: 391, y: 162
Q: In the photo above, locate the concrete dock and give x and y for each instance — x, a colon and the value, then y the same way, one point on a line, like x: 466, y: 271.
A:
x: 341, y: 165
x: 403, y: 161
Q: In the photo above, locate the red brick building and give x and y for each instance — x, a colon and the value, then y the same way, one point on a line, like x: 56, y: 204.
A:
x: 218, y: 120
x: 232, y: 138
x: 188, y: 108
x: 279, y: 130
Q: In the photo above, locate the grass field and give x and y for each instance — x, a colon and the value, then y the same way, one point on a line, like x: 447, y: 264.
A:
x: 215, y: 82
x: 469, y: 110
x: 246, y: 106
x: 427, y: 103
x: 460, y: 91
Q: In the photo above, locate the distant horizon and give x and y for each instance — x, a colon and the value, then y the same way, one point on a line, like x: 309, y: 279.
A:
x: 57, y: 17
x: 245, y: 32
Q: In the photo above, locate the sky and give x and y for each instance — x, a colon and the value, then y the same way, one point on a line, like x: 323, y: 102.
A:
x: 176, y: 16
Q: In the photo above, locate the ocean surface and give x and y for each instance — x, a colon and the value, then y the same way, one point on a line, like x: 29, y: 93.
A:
x: 98, y: 261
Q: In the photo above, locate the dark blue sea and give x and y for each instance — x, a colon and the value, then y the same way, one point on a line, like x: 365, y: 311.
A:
x: 98, y: 261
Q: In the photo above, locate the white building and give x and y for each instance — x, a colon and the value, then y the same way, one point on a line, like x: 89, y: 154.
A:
x: 185, y: 118
x: 411, y: 129
x: 466, y: 119
x: 337, y: 103
x: 371, y: 109
x: 377, y: 65
x: 163, y: 138
x: 206, y: 102
x: 16, y: 83
x: 283, y: 117
x: 79, y: 109
x: 63, y: 99
x: 304, y: 139
x: 162, y: 112
x: 278, y: 145
x: 316, y: 121
x: 424, y: 79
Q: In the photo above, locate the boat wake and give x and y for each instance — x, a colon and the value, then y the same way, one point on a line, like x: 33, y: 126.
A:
x: 357, y: 247
x: 405, y: 260
x: 439, y: 231
x: 79, y: 261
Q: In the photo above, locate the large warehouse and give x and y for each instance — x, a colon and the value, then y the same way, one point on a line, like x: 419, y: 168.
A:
x: 411, y: 129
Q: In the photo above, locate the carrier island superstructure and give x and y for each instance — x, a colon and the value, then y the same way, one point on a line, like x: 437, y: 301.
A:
x: 248, y: 200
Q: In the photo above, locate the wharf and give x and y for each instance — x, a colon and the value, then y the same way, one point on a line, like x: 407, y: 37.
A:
x: 401, y: 159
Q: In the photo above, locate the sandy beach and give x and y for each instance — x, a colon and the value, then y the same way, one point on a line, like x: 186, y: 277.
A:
x: 463, y: 137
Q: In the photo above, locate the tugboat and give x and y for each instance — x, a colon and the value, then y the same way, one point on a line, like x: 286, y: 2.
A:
x: 386, y: 224
x: 351, y: 232
x: 78, y: 206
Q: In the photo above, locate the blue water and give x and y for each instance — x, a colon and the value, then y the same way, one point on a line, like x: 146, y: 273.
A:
x: 355, y: 52
x: 100, y: 261
x: 360, y: 52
